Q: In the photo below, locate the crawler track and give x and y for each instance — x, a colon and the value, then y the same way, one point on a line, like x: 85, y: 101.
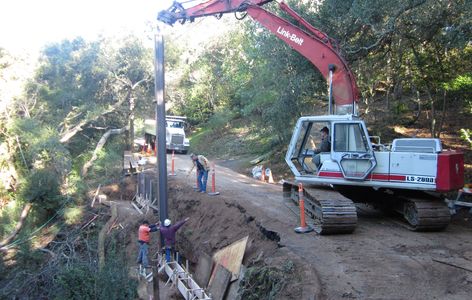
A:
x: 420, y: 210
x: 332, y: 212
x: 426, y: 214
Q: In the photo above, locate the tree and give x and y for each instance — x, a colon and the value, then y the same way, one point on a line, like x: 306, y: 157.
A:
x: 408, y: 48
x: 86, y: 85
x: 131, y: 65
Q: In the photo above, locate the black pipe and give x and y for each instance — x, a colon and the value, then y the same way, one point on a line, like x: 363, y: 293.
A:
x: 161, y: 156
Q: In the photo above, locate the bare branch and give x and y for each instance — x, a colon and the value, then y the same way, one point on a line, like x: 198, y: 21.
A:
x: 390, y: 28
x: 18, y: 226
x: 79, y: 127
x: 99, y: 146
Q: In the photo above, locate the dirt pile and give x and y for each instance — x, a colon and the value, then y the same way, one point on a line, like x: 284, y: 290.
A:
x: 216, y: 222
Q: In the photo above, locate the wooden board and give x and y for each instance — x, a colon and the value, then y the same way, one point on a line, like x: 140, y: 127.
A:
x: 203, y: 269
x: 129, y: 160
x: 231, y: 257
x: 218, y: 286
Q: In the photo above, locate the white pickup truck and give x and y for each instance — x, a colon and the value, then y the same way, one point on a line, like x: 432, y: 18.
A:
x: 175, y: 134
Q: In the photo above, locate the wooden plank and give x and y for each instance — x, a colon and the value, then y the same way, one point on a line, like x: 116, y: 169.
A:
x: 134, y: 162
x: 234, y: 286
x: 127, y: 156
x: 231, y: 257
x: 203, y: 269
x: 137, y: 208
x: 220, y: 283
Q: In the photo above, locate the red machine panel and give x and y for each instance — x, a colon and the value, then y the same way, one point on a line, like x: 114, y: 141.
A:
x: 450, y: 174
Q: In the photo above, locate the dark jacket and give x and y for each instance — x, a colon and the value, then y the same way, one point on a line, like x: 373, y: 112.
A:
x: 325, y: 146
x: 168, y: 233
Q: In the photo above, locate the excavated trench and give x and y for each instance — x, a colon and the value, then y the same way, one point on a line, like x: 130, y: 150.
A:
x: 216, y: 222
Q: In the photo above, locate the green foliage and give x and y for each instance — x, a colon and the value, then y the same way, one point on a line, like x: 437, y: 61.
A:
x: 108, y: 166
x: 264, y: 282
x: 8, y: 218
x: 43, y: 162
x: 42, y: 188
x: 69, y: 79
x: 461, y: 87
x: 77, y: 282
x: 29, y: 256
x: 400, y: 108
x: 466, y: 135
x: 83, y: 281
x: 39, y: 147
x: 76, y: 186
x: 219, y: 121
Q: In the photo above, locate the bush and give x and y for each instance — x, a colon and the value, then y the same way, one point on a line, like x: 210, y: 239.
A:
x: 42, y: 188
x: 77, y: 282
x: 219, y: 121
x: 466, y: 135
x: 83, y: 281
x: 264, y: 282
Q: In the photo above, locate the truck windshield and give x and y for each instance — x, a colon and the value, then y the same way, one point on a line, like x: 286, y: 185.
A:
x: 174, y: 124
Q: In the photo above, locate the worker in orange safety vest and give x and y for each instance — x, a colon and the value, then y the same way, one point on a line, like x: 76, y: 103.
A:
x: 143, y: 239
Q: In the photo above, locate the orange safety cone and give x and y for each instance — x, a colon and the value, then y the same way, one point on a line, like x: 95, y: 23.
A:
x: 148, y: 150
x: 213, y: 185
x: 304, y: 228
x: 172, y: 173
x: 271, y: 179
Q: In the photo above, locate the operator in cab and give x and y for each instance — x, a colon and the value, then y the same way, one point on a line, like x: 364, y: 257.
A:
x: 325, y: 146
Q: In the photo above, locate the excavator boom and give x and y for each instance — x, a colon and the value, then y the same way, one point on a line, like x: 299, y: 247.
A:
x: 313, y: 44
x: 402, y: 177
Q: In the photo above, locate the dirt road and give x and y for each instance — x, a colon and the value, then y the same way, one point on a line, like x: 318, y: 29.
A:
x: 380, y: 260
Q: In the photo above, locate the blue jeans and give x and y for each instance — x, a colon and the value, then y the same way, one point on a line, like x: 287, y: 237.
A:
x: 202, y: 180
x: 143, y: 254
x: 168, y: 254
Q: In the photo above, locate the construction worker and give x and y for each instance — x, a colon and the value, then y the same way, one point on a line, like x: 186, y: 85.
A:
x: 324, y: 147
x: 168, y: 235
x: 143, y: 239
x: 203, y: 167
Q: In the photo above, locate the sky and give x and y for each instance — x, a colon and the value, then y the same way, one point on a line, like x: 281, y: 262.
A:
x: 30, y: 24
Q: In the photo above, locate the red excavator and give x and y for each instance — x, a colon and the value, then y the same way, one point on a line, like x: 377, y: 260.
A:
x: 409, y: 176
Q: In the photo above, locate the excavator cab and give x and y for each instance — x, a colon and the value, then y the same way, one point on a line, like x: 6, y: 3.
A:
x: 350, y: 156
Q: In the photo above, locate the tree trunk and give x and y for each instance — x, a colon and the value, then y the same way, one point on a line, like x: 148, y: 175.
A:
x: 443, y: 114
x: 79, y: 127
x: 102, y: 234
x: 18, y: 226
x: 131, y: 122
x: 99, y: 146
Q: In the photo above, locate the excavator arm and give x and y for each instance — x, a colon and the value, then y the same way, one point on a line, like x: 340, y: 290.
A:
x: 313, y: 44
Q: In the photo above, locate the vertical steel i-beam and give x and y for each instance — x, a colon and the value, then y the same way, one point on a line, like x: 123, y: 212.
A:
x: 160, y: 126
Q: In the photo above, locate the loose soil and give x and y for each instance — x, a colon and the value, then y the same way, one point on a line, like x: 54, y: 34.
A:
x: 380, y: 260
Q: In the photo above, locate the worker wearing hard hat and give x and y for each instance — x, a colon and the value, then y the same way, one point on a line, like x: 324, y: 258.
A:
x: 168, y: 232
x: 203, y: 167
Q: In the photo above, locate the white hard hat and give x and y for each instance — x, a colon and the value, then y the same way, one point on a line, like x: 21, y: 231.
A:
x: 167, y: 222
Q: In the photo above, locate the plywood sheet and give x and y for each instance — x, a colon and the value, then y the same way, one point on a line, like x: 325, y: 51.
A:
x: 231, y: 257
